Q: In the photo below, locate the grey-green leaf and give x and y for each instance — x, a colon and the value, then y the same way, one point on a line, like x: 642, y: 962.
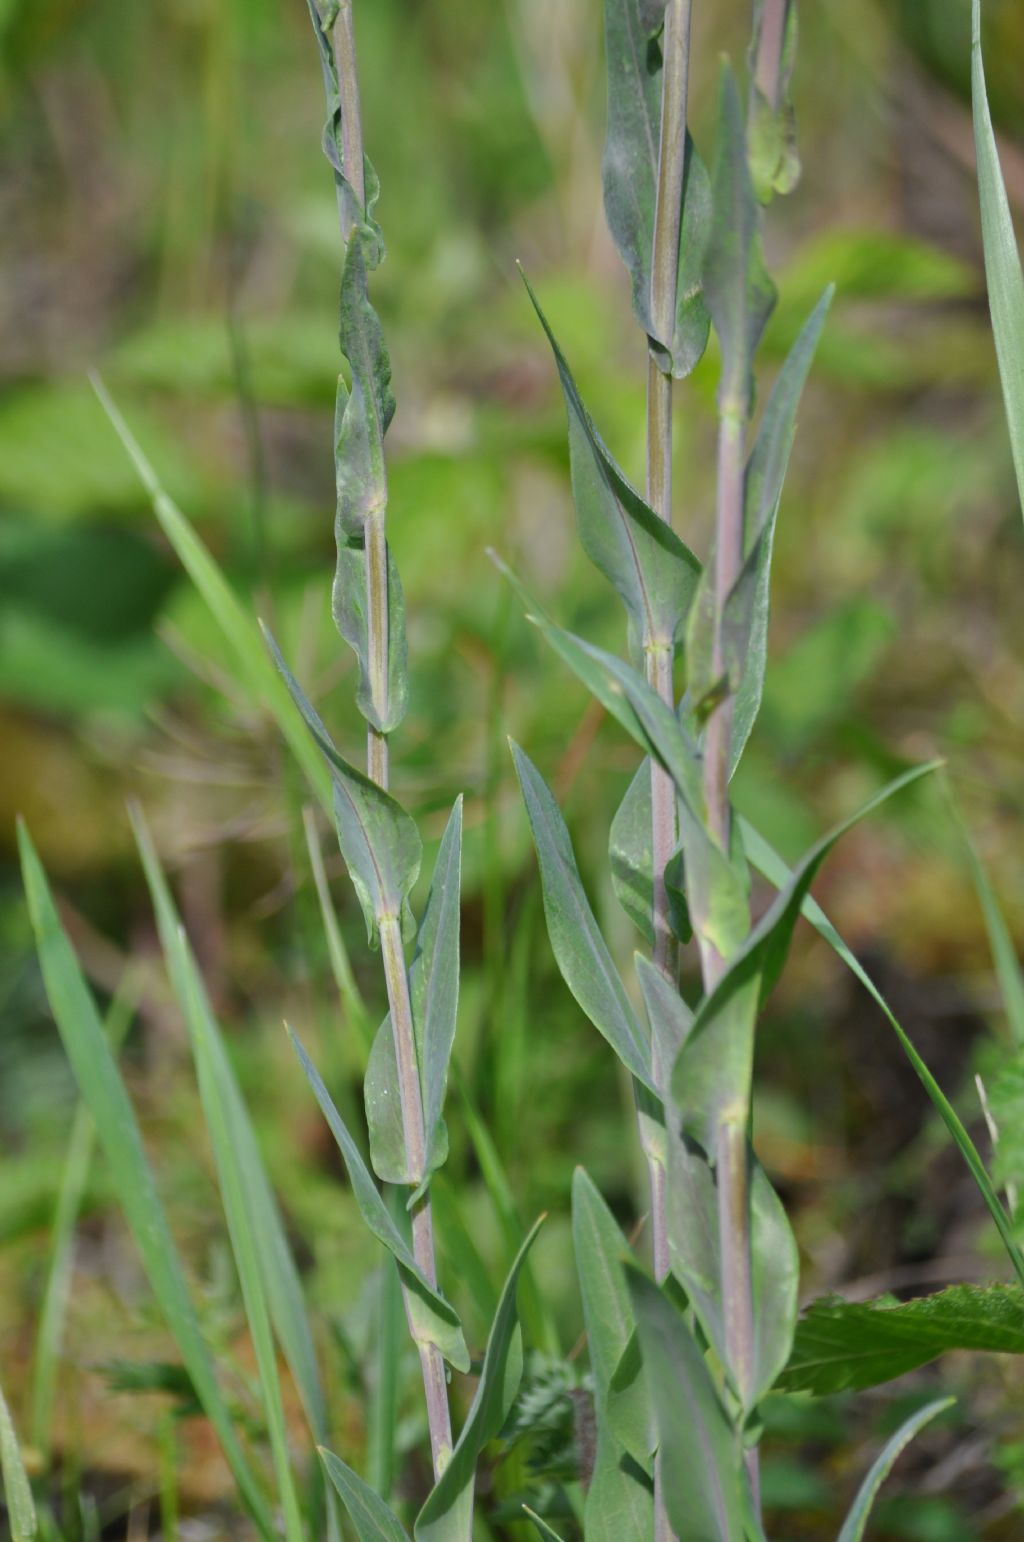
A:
x: 701, y: 1459
x: 849, y: 1345
x: 370, y: 233
x: 580, y: 951
x: 738, y: 291
x: 378, y: 839
x: 21, y: 1510
x: 447, y: 1513
x: 348, y: 603
x: 855, y: 1524
x: 371, y: 1517
x: 364, y: 411
x: 101, y: 1087
x: 641, y: 556
x: 435, y: 1320
x: 771, y: 121
x: 630, y: 176
x: 1002, y: 260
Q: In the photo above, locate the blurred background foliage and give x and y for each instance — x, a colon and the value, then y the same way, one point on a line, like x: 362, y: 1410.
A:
x: 166, y: 217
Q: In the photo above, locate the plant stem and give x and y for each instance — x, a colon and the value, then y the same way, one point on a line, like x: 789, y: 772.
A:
x: 770, y: 43
x: 435, y: 1384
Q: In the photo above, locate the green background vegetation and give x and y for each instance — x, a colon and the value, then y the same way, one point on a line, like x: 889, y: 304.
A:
x: 165, y: 216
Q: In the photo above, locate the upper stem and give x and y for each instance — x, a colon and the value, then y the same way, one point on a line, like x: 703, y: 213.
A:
x: 770, y: 43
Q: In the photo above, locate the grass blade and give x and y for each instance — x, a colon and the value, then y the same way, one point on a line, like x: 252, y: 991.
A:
x: 856, y: 1521
x: 21, y: 1510
x: 103, y: 1091
x: 1004, y: 954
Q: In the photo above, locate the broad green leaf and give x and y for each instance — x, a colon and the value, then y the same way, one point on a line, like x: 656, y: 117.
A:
x: 364, y: 411
x: 619, y: 1506
x: 238, y: 628
x: 1002, y: 260
x: 447, y: 1513
x: 768, y: 862
x: 371, y: 1517
x: 703, y: 1483
x: 639, y: 553
x: 350, y: 617
x: 738, y: 292
x: 21, y: 1510
x: 771, y: 124
x: 630, y: 176
x: 632, y: 863
x: 236, y: 1148
x: 378, y: 839
x: 848, y: 1345
x: 434, y: 993
x: 433, y: 1319
x: 1004, y: 954
x: 101, y: 1087
x: 855, y: 1524
x: 601, y: 1251
x: 712, y: 1074
x: 582, y: 955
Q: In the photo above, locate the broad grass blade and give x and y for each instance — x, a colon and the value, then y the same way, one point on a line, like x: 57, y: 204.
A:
x: 855, y: 1524
x: 103, y: 1091
x: 21, y: 1510
x: 768, y: 862
x: 1002, y: 260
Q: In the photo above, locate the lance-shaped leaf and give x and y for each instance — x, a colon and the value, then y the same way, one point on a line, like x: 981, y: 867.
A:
x: 349, y: 605
x: 848, y: 1345
x: 855, y: 1524
x: 447, y: 1513
x: 434, y: 1320
x: 771, y: 121
x: 378, y: 839
x: 630, y: 176
x: 705, y: 1489
x: 630, y: 852
x: 363, y: 412
x: 619, y: 1502
x: 547, y: 1532
x: 670, y: 1020
x: 370, y: 1516
x: 226, y: 1108
x: 434, y: 993
x: 352, y: 214
x: 580, y: 951
x: 712, y: 1073
x: 777, y: 872
x: 737, y: 289
x: 1002, y: 260
x: 103, y: 1091
x: 21, y: 1510
x: 745, y: 624
x: 641, y: 556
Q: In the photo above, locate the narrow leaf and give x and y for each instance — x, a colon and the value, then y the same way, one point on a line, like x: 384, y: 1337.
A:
x: 855, y: 1524
x: 771, y: 121
x: 1004, y: 954
x: 364, y: 412
x: 768, y: 862
x: 349, y: 604
x: 1002, y: 261
x: 639, y: 553
x: 434, y: 1320
x: 21, y: 1510
x: 546, y: 1531
x: 101, y: 1087
x: 378, y: 839
x: 580, y: 951
x: 701, y: 1458
x: 447, y: 1513
x: 371, y: 1517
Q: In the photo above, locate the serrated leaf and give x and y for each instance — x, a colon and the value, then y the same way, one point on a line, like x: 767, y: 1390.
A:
x: 703, y: 1483
x: 364, y: 411
x: 713, y: 1071
x: 737, y: 289
x: 847, y: 1345
x: 378, y: 839
x: 1002, y: 260
x: 103, y: 1091
x: 855, y: 1524
x: 434, y: 995
x: 653, y: 572
x: 349, y: 607
x: 21, y: 1510
x: 433, y: 1319
x: 630, y: 177
x: 777, y: 872
x: 771, y: 123
x: 447, y: 1512
x: 270, y: 1283
x: 371, y: 1517
x: 580, y: 951
x: 630, y: 852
